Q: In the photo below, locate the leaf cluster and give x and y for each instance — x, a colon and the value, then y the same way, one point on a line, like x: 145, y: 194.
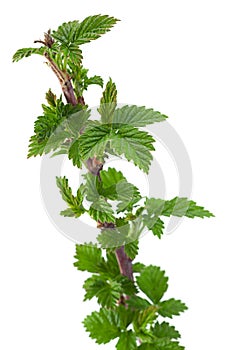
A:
x: 141, y: 319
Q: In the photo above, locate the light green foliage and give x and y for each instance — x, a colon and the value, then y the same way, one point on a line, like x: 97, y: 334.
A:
x: 153, y: 282
x: 131, y: 295
x: 137, y: 116
x: 27, y: 52
x: 78, y: 33
x: 76, y: 208
x: 108, y: 102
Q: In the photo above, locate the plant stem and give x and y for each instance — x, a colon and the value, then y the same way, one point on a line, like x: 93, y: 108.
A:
x: 124, y: 262
x: 93, y: 165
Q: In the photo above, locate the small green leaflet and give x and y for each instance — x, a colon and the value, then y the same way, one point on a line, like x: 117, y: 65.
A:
x: 101, y: 211
x: 74, y: 202
x: 116, y: 187
x: 153, y: 283
x: 131, y: 249
x: 95, y: 80
x: 165, y: 330
x: 78, y: 33
x: 27, y: 52
x: 107, y: 292
x: 183, y: 206
x: 89, y: 258
x: 103, y: 326
x: 136, y: 145
x: 171, y: 307
x: 164, y: 345
x: 176, y: 207
x: 108, y: 102
x: 127, y: 341
x: 74, y: 154
x: 137, y: 116
x: 93, y: 141
x: 145, y: 317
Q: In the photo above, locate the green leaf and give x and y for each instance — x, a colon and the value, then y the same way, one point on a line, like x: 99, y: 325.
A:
x: 74, y: 154
x: 166, y: 345
x: 118, y: 236
x: 153, y: 283
x: 134, y: 144
x: 93, y: 141
x: 91, y: 187
x: 128, y: 286
x: 176, y: 207
x: 50, y: 128
x: 93, y: 27
x: 116, y: 187
x: 131, y: 249
x: 171, y: 307
x: 108, y: 102
x: 137, y: 116
x: 184, y: 207
x: 107, y: 292
x: 138, y: 303
x: 74, y: 203
x: 158, y: 228
x: 126, y: 316
x: 138, y: 267
x: 145, y: 317
x: 127, y: 341
x: 80, y: 33
x: 103, y: 326
x: 101, y: 211
x: 95, y: 80
x: 165, y: 330
x: 27, y: 52
x: 89, y: 258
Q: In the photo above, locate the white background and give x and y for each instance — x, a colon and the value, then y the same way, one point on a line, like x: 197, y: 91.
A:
x: 175, y: 56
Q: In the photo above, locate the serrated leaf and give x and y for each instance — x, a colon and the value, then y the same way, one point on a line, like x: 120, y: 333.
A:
x: 138, y: 267
x: 108, y: 102
x: 95, y: 80
x: 50, y: 128
x: 165, y: 330
x: 101, y: 211
x: 168, y: 345
x: 171, y: 307
x: 138, y: 303
x: 136, y: 145
x: 103, y: 326
x: 144, y: 318
x: 184, y: 207
x: 92, y: 27
x: 74, y: 202
x: 131, y: 249
x: 153, y: 283
x: 89, y: 258
x: 137, y: 116
x: 116, y: 187
x: 74, y: 154
x: 106, y: 291
x: 93, y: 141
x: 176, y: 207
x: 127, y: 341
x: 128, y: 286
x: 27, y: 52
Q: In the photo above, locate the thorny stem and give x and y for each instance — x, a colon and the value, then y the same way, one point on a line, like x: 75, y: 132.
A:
x: 93, y: 165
